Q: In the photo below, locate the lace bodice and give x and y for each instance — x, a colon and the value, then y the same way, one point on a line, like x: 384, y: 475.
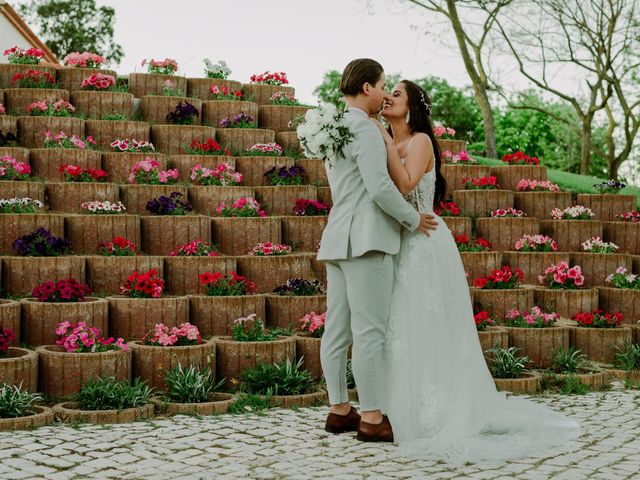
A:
x: 421, y: 197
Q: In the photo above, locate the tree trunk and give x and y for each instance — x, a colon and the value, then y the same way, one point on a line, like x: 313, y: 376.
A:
x: 586, y: 145
x: 487, y: 121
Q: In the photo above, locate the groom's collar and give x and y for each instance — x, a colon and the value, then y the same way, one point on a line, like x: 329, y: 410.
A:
x: 358, y: 111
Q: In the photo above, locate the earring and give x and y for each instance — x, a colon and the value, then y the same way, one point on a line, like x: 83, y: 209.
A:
x: 408, y: 117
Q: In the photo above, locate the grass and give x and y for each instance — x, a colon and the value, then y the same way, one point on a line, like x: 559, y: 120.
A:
x: 569, y: 181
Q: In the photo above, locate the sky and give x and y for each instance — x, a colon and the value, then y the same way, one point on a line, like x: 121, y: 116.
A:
x: 303, y: 38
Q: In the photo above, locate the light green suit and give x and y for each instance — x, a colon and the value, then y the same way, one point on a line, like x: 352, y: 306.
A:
x: 362, y: 233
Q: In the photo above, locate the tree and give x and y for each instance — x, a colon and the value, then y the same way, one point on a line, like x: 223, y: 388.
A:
x: 74, y: 26
x: 590, y: 37
x: 473, y: 49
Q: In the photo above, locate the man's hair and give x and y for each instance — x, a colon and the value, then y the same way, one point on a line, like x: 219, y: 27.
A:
x: 357, y: 73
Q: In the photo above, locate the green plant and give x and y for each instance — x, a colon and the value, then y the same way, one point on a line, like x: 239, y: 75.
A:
x: 506, y: 364
x: 627, y: 356
x: 285, y: 378
x: 116, y: 117
x: 111, y: 394
x: 250, y: 403
x: 251, y: 329
x: 190, y: 384
x: 16, y: 402
x: 568, y: 361
x: 351, y: 382
x: 573, y: 386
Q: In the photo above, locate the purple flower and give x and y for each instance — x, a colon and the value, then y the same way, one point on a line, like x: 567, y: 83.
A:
x: 183, y: 114
x: 171, y: 205
x: 41, y: 243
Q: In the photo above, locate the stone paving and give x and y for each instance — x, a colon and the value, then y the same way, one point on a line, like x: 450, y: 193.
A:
x: 291, y: 444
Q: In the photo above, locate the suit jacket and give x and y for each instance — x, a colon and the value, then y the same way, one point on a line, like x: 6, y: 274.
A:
x: 368, y: 210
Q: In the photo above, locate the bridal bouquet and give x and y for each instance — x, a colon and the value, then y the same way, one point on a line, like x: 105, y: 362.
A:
x: 323, y: 134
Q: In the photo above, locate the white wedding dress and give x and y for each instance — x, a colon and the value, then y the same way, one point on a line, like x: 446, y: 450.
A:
x: 441, y: 399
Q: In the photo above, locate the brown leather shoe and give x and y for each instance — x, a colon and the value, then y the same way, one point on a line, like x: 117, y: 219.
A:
x: 342, y: 423
x: 369, y: 432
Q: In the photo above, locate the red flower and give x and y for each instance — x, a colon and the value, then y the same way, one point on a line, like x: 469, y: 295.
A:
x: 480, y: 282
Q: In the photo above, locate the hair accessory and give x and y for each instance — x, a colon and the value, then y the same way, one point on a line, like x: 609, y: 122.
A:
x: 426, y: 105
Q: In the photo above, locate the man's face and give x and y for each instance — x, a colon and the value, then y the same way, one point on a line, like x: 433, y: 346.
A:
x: 376, y: 95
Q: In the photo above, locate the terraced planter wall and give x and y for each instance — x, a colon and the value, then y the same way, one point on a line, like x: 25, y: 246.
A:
x: 277, y: 117
x: 69, y: 196
x: 151, y: 363
x: 10, y: 318
x: 20, y: 367
x: 18, y: 188
x: 566, y: 302
x: 141, y: 84
x: 458, y: 225
x: 261, y: 94
x: 45, y: 162
x: 162, y: 233
x: 599, y: 344
x: 491, y: 337
x: 96, y: 104
x: 241, y: 139
x: 69, y: 412
x: 85, y: 232
x: 19, y: 153
x: 499, y: 302
x: 538, y: 343
x: 533, y: 264
x: 184, y: 163
x: 136, y: 197
x: 63, y: 373
x: 272, y: 271
x: 21, y: 274
x: 623, y: 300
x: 503, y: 233
x: 607, y: 206
x: 40, y: 319
x: 454, y: 174
x: 70, y: 78
x: 300, y: 401
x: 480, y: 202
x: 529, y: 384
x: 105, y: 275
x: 304, y: 233
x: 454, y: 146
x: 308, y: 349
x: 509, y: 175
x: 8, y: 124
x: 205, y: 199
x: 597, y: 266
x: 18, y: 99
x: 480, y: 264
x: 119, y: 165
x: 31, y: 129
x: 324, y: 195
x: 132, y: 318
x: 172, y: 139
x: 540, y: 204
x: 8, y: 70
x: 220, y: 404
x: 237, y: 236
x: 213, y: 111
x: 235, y: 357
x: 288, y: 141
x: 200, y: 87
x: 624, y: 234
x: 155, y: 108
x: 315, y: 171
x: 42, y: 416
x: 182, y: 273
x: 254, y: 168
x: 16, y: 225
x: 104, y: 132
x: 285, y: 311
x: 214, y: 316
x: 571, y: 233
x: 281, y: 200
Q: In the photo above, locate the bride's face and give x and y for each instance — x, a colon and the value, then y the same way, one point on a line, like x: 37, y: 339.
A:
x: 396, y: 104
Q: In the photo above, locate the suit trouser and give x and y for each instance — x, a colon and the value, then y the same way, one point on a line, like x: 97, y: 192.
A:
x: 358, y: 299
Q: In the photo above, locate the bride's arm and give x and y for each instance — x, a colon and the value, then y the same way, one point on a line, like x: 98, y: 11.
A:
x: 419, y: 157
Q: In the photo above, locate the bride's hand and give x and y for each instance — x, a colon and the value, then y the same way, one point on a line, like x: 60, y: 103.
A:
x: 385, y: 135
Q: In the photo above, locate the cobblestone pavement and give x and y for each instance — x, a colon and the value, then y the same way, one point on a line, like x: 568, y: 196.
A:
x: 292, y: 444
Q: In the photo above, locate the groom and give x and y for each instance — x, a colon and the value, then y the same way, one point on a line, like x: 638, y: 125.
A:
x: 362, y: 234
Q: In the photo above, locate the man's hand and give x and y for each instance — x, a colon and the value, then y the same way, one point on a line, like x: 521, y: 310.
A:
x: 427, y: 222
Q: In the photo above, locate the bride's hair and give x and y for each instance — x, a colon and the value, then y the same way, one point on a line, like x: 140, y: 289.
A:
x: 420, y: 121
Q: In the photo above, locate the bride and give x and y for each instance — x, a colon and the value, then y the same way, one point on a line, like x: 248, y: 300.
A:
x: 442, y: 401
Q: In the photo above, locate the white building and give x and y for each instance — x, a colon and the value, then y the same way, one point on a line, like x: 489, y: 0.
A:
x: 14, y: 32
